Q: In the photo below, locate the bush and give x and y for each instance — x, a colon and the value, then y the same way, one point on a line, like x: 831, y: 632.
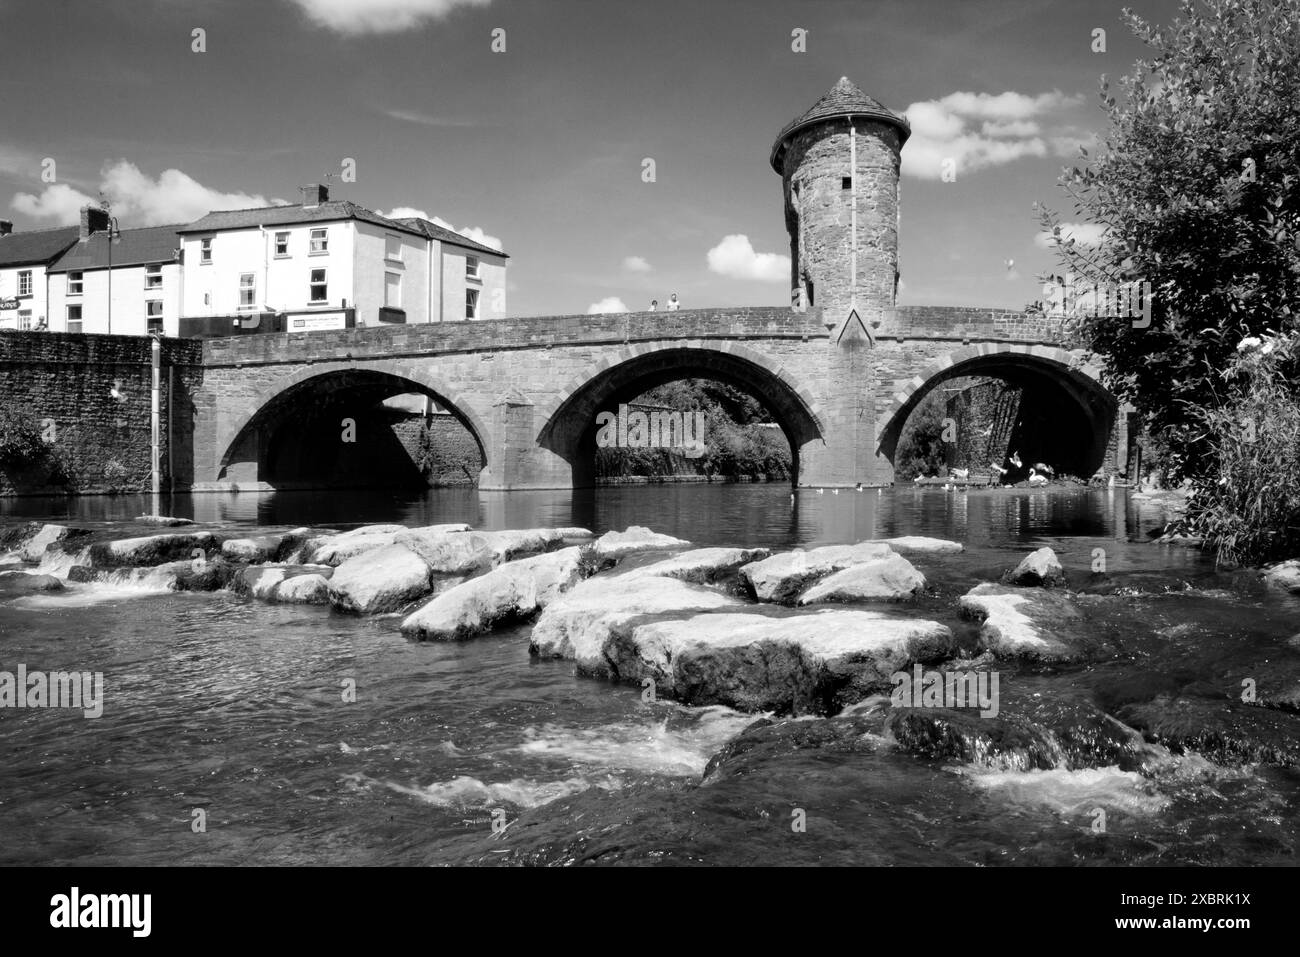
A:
x: 1248, y: 509
x: 921, y: 450
x: 20, y: 440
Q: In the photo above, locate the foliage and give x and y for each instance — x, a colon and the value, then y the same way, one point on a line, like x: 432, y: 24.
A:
x: 1197, y: 189
x: 921, y: 450
x: 20, y: 440
x: 1248, y: 509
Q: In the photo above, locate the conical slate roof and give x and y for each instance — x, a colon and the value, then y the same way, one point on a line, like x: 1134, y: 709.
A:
x: 843, y: 99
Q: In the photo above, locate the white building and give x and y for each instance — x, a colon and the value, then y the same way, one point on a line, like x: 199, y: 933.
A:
x: 123, y: 282
x: 25, y: 257
x: 330, y: 265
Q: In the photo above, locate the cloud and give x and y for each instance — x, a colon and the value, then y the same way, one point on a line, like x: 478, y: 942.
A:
x: 735, y: 257
x: 174, y: 197
x: 355, y: 17
x: 425, y: 119
x: 636, y: 264
x: 1084, y: 234
x: 469, y: 232
x: 608, y: 304
x: 979, y: 130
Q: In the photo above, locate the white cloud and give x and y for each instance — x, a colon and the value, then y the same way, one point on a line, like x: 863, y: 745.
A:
x: 1084, y: 234
x: 636, y: 264
x: 174, y: 197
x: 355, y: 17
x: 608, y: 304
x: 469, y: 232
x: 59, y: 202
x: 425, y: 119
x: 979, y: 130
x: 735, y: 257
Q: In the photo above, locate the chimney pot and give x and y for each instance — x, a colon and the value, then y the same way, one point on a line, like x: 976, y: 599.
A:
x: 315, y: 194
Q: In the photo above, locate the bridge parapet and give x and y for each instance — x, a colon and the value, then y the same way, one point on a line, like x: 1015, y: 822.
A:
x: 972, y: 324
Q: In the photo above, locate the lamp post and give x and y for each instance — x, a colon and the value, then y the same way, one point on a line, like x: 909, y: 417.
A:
x: 113, y: 235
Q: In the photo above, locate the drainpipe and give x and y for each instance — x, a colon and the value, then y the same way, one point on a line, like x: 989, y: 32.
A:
x: 155, y: 349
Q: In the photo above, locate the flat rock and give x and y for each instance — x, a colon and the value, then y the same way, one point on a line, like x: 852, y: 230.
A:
x: 812, y: 661
x: 1225, y: 732
x: 1284, y: 576
x: 310, y: 589
x: 33, y: 550
x: 635, y: 538
x: 150, y: 549
x: 892, y: 578
x: 166, y: 521
x: 920, y: 545
x: 521, y: 542
x: 1027, y: 623
x: 382, y: 580
x: 578, y: 624
x: 514, y: 591
x: 782, y: 577
x: 336, y: 549
x: 1040, y: 567
x: 262, y: 581
x: 25, y: 583
x: 261, y: 548
x: 450, y: 553
x: 702, y: 565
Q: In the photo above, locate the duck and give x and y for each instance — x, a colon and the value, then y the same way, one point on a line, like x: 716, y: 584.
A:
x: 835, y: 491
x: 821, y: 491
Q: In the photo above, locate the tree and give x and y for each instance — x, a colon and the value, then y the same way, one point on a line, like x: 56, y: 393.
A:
x: 1197, y: 186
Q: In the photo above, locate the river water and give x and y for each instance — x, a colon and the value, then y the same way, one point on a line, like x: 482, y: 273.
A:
x: 233, y: 708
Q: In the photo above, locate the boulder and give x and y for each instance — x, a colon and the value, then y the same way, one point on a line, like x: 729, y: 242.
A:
x: 783, y: 576
x: 812, y: 661
x: 1224, y: 732
x: 33, y: 550
x: 1038, y: 568
x: 450, y: 553
x: 381, y: 580
x: 521, y: 542
x: 892, y: 578
x: 165, y: 521
x: 337, y: 548
x: 514, y: 591
x: 920, y: 545
x: 1285, y: 576
x: 578, y: 624
x: 310, y: 589
x: 211, y: 575
x: 635, y: 538
x: 150, y: 549
x: 702, y: 565
x: 1027, y: 623
x: 261, y: 548
x: 262, y: 581
x: 25, y: 583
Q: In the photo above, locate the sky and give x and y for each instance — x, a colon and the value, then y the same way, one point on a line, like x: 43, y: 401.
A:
x: 540, y: 147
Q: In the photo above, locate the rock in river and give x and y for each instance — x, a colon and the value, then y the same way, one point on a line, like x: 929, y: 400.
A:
x: 1038, y: 568
x: 634, y: 539
x: 892, y: 578
x: 383, y: 580
x: 1285, y: 576
x: 703, y: 566
x: 150, y: 549
x: 1028, y: 623
x: 783, y: 576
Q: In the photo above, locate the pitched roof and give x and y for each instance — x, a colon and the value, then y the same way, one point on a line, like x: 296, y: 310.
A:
x: 328, y: 212
x: 843, y: 99
x: 133, y: 247
x: 36, y: 245
x: 442, y: 234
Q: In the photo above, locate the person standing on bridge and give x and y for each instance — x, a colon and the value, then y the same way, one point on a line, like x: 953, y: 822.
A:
x: 654, y: 305
x: 673, y: 305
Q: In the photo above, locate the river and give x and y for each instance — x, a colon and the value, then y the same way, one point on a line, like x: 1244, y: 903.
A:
x: 227, y: 712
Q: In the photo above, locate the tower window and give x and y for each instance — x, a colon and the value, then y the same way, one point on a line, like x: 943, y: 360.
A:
x: 846, y: 182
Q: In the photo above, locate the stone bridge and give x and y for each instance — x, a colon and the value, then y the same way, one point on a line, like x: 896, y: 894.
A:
x: 528, y: 390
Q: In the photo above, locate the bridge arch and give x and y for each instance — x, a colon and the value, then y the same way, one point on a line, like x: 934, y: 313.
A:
x: 258, y: 445
x: 1046, y: 369
x: 568, y: 418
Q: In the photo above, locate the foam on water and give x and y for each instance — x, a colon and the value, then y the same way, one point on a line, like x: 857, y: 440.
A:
x: 677, y: 745
x: 1072, y: 794
x: 58, y: 562
x: 119, y: 585
x: 465, y: 791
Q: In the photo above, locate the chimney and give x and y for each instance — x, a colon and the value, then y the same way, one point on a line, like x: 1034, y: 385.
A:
x: 315, y: 194
x: 6, y: 227
x: 93, y: 220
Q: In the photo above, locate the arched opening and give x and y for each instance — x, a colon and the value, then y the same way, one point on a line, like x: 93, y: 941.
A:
x: 990, y: 406
x: 355, y: 428
x: 572, y: 430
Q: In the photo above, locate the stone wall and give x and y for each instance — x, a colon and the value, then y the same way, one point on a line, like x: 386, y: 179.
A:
x: 89, y: 397
x: 454, y: 455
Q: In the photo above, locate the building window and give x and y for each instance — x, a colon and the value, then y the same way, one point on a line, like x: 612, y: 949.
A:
x: 247, y: 290
x: 74, y: 318
x: 393, y: 290
x: 846, y: 182
x: 25, y: 283
x: 153, y: 277
x: 392, y: 247
x: 24, y: 320
x: 205, y: 250
x: 319, y: 289
x: 471, y: 267
x: 471, y: 303
x: 75, y: 283
x: 320, y: 242
x: 153, y: 314
x: 282, y: 244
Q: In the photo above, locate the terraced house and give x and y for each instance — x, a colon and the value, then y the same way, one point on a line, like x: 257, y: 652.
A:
x: 25, y: 258
x: 325, y: 264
